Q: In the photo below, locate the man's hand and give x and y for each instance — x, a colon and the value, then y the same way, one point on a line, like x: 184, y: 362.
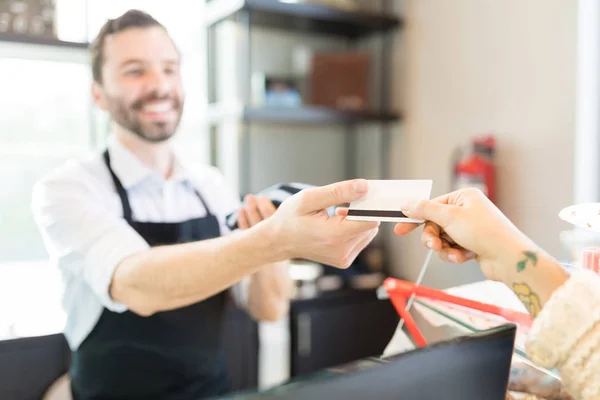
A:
x: 270, y: 288
x: 255, y: 210
x: 304, y: 229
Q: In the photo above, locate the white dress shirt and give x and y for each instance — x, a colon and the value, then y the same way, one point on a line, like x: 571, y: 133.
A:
x: 81, y: 220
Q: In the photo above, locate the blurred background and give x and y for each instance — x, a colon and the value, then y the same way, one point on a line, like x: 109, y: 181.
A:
x: 503, y: 95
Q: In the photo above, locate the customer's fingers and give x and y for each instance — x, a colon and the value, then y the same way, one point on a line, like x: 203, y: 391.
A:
x: 431, y: 236
x: 456, y: 255
x: 404, y: 228
x: 430, y: 210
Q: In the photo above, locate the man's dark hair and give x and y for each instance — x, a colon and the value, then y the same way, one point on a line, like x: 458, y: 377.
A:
x: 131, y: 19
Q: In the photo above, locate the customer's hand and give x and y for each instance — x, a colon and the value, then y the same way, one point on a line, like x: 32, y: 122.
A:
x: 255, y: 210
x: 303, y: 227
x: 464, y: 225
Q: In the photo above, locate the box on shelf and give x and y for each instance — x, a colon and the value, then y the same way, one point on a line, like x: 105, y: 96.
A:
x: 340, y: 80
x: 30, y: 18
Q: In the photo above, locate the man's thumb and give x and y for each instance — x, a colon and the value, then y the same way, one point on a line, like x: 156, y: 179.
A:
x: 428, y: 210
x: 323, y: 197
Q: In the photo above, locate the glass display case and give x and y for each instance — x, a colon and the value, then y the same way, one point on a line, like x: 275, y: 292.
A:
x: 474, y: 366
x: 442, y: 321
x: 442, y: 325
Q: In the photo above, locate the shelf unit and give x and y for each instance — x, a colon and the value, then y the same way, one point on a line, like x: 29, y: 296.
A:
x: 299, y: 16
x: 313, y: 19
x: 300, y: 115
x: 39, y: 40
x: 348, y: 29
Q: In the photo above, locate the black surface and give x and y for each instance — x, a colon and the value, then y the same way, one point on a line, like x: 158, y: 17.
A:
x: 314, y: 115
x: 16, y: 38
x: 470, y: 367
x: 341, y: 327
x: 28, y: 366
x: 240, y: 345
x: 312, y: 17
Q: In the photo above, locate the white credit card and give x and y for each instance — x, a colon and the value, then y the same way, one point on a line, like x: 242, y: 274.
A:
x: 384, y: 200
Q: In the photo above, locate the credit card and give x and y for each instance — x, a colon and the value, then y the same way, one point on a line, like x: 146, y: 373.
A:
x: 384, y: 200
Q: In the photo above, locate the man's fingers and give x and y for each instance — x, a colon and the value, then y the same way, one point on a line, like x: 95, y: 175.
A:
x: 242, y: 219
x: 429, y: 210
x: 363, y: 242
x: 252, y: 210
x: 349, y: 229
x: 253, y: 216
x: 319, y: 198
x: 341, y: 211
x: 265, y: 207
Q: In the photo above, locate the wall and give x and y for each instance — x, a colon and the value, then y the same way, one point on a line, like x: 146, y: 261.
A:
x: 587, y: 143
x: 470, y: 66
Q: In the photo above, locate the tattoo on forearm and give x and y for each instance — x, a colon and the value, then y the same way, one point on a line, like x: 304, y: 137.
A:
x: 528, y: 298
x: 530, y: 256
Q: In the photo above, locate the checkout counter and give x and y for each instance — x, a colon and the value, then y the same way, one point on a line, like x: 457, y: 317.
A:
x: 467, y: 358
x: 470, y: 355
x: 472, y: 367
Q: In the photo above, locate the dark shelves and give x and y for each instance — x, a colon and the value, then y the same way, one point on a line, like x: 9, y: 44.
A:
x: 300, y: 115
x: 305, y: 17
x: 314, y: 115
x: 26, y: 39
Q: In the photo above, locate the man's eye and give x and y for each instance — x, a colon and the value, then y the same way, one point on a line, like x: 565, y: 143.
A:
x: 170, y: 71
x: 134, y: 72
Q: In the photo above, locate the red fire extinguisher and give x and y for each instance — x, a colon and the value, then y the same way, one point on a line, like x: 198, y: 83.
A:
x: 474, y: 166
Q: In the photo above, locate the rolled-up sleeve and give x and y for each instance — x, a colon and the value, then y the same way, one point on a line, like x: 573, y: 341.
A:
x: 82, y: 235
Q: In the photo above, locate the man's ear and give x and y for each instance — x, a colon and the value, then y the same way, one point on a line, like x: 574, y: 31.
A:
x: 98, y: 96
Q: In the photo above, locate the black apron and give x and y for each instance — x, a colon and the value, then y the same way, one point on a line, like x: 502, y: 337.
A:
x: 172, y: 355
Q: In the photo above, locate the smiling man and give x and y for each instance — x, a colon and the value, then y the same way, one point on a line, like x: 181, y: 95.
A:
x: 140, y: 238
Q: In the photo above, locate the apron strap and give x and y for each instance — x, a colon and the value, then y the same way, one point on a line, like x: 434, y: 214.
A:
x: 123, y: 194
x: 120, y: 189
x: 202, y: 201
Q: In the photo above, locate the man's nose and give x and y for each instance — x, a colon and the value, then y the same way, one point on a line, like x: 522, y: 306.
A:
x: 159, y: 82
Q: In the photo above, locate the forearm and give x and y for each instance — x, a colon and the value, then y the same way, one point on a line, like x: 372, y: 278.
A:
x: 269, y: 292
x: 169, y: 277
x: 532, y: 274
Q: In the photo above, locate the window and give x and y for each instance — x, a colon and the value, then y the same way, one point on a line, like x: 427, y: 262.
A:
x: 45, y: 120
x: 47, y: 117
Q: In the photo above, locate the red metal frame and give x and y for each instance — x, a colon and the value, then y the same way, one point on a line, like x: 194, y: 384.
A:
x: 400, y: 291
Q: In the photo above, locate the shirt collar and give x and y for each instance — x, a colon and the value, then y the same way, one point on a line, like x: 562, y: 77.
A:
x: 131, y: 171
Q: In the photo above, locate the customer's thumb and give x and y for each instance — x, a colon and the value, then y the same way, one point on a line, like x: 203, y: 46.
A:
x: 429, y: 210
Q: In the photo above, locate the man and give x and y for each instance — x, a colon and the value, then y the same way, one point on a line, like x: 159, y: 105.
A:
x: 140, y: 239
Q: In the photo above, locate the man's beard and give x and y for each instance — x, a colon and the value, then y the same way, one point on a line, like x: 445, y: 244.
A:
x: 152, y: 131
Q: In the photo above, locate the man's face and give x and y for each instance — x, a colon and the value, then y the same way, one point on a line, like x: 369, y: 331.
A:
x: 141, y: 83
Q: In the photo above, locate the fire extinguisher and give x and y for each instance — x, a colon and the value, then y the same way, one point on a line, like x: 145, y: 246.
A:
x: 474, y: 166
